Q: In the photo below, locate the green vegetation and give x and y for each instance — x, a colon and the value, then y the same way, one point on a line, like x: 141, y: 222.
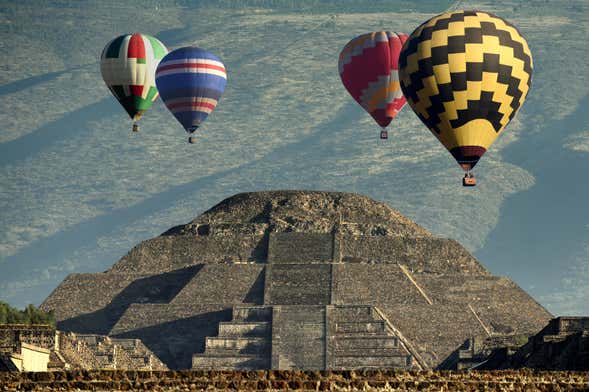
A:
x: 30, y: 315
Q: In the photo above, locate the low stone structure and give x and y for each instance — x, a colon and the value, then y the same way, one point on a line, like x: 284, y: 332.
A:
x: 42, y: 348
x: 26, y: 347
x: 562, y: 344
x: 13, y: 335
x: 476, y: 350
x: 297, y: 280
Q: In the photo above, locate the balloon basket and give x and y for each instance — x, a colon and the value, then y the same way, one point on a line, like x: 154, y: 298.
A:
x: 469, y: 180
x: 384, y: 135
x: 135, y: 128
x: 191, y: 140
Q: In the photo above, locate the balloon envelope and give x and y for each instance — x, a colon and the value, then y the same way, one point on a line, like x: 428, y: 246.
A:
x: 128, y: 65
x: 191, y: 81
x: 368, y: 67
x: 465, y: 74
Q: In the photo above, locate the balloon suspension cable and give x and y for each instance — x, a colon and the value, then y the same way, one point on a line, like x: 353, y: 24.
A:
x: 191, y: 138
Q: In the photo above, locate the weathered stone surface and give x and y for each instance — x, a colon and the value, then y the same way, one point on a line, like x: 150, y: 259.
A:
x: 293, y: 248
x: 298, y: 284
x: 302, y: 256
x: 12, y: 335
x: 562, y: 344
x: 298, y: 337
x: 419, y: 254
x: 77, y: 351
x: 105, y: 380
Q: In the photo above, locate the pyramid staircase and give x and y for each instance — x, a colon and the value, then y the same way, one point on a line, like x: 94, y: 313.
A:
x: 362, y: 339
x: 244, y: 343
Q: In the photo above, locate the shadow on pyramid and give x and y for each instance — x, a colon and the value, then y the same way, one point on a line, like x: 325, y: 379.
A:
x: 297, y: 280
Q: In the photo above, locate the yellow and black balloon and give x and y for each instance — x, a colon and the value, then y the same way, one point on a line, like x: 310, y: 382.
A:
x: 466, y: 74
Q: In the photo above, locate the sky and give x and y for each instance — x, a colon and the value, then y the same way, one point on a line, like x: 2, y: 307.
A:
x: 78, y: 190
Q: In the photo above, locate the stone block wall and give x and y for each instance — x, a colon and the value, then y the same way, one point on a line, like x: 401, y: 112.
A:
x: 373, y: 380
x: 291, y: 247
x: 562, y: 325
x: 435, y: 331
x: 172, y: 332
x: 11, y: 336
x: 372, y: 285
x: 504, y: 308
x: 244, y: 343
x: 218, y: 244
x: 106, y: 296
x: 429, y: 254
x: 298, y: 284
x: 76, y: 353
x: 224, y: 283
x: 86, y: 293
x: 439, y: 308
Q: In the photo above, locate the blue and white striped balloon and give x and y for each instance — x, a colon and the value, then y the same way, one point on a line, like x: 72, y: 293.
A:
x: 190, y: 81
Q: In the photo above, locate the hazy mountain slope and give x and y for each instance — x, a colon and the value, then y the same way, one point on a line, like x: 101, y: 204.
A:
x: 79, y: 190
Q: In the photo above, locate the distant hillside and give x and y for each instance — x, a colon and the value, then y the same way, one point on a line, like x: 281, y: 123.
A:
x: 79, y: 190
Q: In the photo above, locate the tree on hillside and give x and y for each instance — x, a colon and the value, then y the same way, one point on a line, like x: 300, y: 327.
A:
x: 30, y: 315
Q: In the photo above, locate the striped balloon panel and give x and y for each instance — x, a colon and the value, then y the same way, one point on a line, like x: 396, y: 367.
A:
x: 466, y: 74
x: 368, y: 67
x: 128, y: 65
x: 191, y: 82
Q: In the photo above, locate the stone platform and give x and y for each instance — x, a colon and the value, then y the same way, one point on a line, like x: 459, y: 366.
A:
x: 297, y: 280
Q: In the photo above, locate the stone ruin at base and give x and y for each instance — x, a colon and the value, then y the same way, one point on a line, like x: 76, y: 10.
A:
x: 297, y: 280
x: 35, y: 348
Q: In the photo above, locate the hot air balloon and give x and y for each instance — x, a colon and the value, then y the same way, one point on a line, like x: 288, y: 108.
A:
x: 368, y: 67
x: 465, y: 74
x: 191, y: 81
x: 128, y: 65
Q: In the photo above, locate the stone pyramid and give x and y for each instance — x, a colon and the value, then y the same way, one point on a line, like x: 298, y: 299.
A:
x: 297, y: 280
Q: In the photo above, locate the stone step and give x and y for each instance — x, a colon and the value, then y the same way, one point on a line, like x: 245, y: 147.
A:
x: 369, y: 352
x: 361, y: 361
x: 104, y: 359
x: 303, y: 313
x: 554, y: 338
x: 352, y: 313
x: 252, y: 313
x: 128, y: 344
x: 244, y: 328
x: 356, y: 342
x: 234, y: 362
x: 371, y: 327
x: 465, y: 354
x: 249, y: 345
x: 219, y: 352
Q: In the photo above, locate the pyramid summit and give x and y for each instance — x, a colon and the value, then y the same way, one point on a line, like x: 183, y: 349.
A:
x: 297, y: 280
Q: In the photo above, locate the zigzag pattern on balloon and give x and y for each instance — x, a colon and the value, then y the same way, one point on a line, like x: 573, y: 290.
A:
x: 466, y: 74
x: 357, y: 46
x: 383, y: 92
x: 368, y: 67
